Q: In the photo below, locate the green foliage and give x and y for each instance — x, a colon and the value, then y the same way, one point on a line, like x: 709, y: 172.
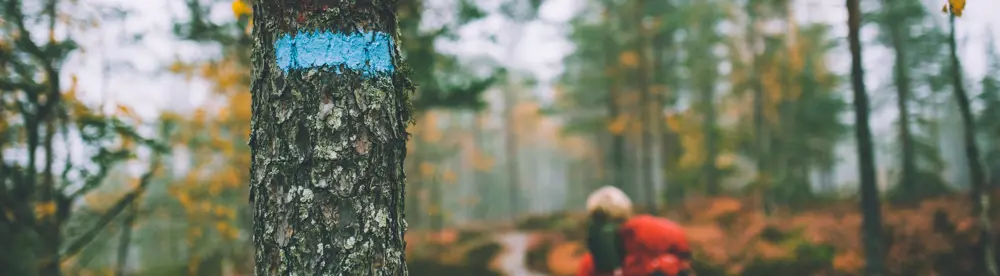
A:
x: 987, y: 124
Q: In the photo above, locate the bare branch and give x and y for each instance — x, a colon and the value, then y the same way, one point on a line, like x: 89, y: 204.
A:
x: 28, y: 87
x: 88, y: 236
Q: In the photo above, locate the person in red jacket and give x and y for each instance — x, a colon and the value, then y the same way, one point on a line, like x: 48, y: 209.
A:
x: 621, y: 244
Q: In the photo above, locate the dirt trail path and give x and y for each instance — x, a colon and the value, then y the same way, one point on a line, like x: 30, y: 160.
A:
x: 515, y: 246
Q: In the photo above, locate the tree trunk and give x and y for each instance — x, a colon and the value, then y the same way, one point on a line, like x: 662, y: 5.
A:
x: 646, y: 107
x: 416, y: 207
x: 707, y: 88
x: 660, y: 49
x: 480, y: 180
x: 511, y: 153
x: 328, y: 140
x: 870, y: 209
x: 759, y: 100
x: 614, y: 111
x: 826, y: 178
x: 978, y: 176
x: 125, y: 239
x: 437, y: 201
x: 902, y: 81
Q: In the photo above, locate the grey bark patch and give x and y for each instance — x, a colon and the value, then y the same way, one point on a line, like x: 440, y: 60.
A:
x: 347, y: 218
x: 284, y: 233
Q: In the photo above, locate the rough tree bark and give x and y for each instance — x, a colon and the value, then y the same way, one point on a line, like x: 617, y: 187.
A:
x: 980, y: 197
x: 870, y: 209
x: 328, y: 138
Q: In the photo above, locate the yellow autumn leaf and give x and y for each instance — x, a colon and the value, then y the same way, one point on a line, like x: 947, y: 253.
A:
x: 224, y: 212
x: 659, y: 89
x: 127, y: 112
x: 249, y: 27
x: 241, y: 8
x: 674, y: 122
x: 230, y: 178
x: 219, y: 211
x: 199, y: 117
x: 232, y: 233
x: 240, y: 105
x: 481, y: 162
x: 70, y: 93
x: 214, y: 189
x: 45, y: 209
x: 725, y: 160
x: 226, y: 230
x: 617, y: 127
x: 178, y: 67
x: 431, y: 133
x: 170, y: 116
x: 433, y: 210
x: 96, y: 201
x: 426, y: 169
x: 694, y: 153
x: 184, y: 199
x: 223, y: 113
x: 955, y: 7
x: 205, y: 207
x: 449, y: 177
x: 470, y: 200
x: 194, y: 232
x: 629, y: 59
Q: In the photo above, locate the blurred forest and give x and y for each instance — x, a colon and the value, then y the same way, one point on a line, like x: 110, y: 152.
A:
x: 734, y: 118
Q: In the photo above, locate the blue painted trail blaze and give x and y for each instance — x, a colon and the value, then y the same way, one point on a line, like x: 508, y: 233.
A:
x: 366, y: 52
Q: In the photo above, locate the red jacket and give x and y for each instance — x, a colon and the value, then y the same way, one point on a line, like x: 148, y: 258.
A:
x: 652, y: 245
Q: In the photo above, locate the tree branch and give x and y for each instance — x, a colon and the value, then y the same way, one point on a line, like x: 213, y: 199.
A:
x: 27, y: 87
x: 125, y: 239
x: 88, y: 236
x: 21, y: 213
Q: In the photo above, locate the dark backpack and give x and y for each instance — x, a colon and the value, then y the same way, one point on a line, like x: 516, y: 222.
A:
x: 605, y: 245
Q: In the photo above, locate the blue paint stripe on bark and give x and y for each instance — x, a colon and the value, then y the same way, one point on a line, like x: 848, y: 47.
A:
x: 366, y: 52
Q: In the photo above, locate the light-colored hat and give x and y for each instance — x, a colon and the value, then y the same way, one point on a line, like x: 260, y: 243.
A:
x: 611, y: 201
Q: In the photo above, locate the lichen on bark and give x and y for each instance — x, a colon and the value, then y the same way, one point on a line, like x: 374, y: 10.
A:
x: 327, y: 177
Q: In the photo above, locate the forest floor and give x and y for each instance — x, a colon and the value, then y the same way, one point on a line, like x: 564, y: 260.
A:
x: 515, y: 247
x: 730, y: 237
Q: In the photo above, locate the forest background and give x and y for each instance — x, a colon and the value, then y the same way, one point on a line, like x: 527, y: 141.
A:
x: 734, y: 118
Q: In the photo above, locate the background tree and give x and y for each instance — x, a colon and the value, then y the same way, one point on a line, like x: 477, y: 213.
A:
x: 990, y: 97
x: 870, y: 205
x: 41, y: 116
x: 916, y: 45
x: 977, y: 173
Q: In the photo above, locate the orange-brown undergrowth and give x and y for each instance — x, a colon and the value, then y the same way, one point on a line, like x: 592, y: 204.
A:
x: 732, y: 237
